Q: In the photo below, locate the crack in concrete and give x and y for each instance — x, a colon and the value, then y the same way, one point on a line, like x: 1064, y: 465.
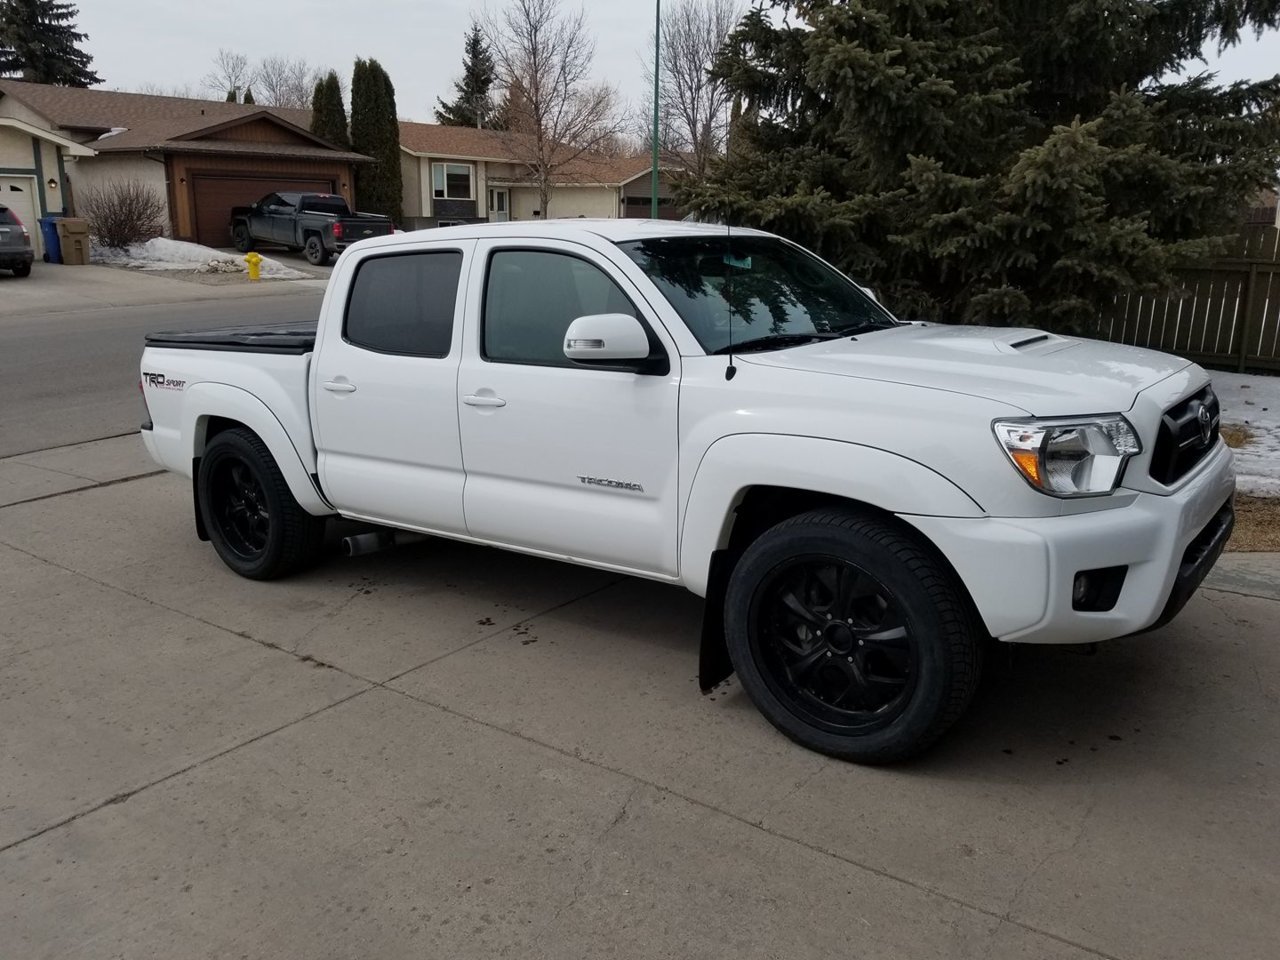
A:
x: 125, y: 795
x: 92, y: 485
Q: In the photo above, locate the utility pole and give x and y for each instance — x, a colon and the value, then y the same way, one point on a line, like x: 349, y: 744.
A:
x: 657, y: 62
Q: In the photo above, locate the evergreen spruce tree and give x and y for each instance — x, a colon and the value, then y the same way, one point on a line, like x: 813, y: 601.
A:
x: 231, y: 96
x: 328, y: 115
x: 375, y: 132
x: 248, y: 95
x: 995, y: 161
x: 473, y: 104
x: 39, y: 43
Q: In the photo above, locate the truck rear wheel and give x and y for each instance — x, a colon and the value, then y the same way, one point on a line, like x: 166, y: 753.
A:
x: 850, y: 637
x: 255, y: 524
x: 317, y: 255
x: 241, y: 237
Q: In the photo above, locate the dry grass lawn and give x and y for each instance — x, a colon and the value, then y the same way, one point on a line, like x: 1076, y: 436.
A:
x: 1257, y: 524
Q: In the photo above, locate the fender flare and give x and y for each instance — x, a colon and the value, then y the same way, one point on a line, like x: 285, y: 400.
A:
x: 205, y: 400
x: 733, y: 464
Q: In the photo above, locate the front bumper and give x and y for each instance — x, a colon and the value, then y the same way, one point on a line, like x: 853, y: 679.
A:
x: 1021, y: 571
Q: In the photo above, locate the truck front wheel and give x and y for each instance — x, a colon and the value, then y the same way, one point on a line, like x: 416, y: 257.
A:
x: 850, y: 637
x: 255, y: 524
x: 241, y: 237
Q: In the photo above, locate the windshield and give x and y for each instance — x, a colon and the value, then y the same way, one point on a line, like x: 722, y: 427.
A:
x: 762, y: 286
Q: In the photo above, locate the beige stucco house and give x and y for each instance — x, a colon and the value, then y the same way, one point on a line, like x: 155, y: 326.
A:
x: 462, y: 175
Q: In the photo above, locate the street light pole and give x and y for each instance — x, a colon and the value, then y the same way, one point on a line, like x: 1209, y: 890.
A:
x: 657, y: 61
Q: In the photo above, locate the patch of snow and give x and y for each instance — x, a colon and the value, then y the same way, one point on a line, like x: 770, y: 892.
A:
x: 1253, y: 401
x: 113, y: 132
x: 165, y: 254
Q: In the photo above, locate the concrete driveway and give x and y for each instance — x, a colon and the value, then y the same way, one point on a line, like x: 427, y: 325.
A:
x: 445, y: 751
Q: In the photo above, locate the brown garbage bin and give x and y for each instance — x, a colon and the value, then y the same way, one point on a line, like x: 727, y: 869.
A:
x: 73, y: 233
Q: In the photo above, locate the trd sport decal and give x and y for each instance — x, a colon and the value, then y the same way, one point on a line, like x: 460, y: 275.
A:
x: 161, y: 381
x: 616, y: 484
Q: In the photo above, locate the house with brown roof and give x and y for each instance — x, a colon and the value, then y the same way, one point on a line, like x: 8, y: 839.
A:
x: 202, y: 156
x: 463, y: 175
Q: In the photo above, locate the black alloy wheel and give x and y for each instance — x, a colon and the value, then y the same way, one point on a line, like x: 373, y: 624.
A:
x: 239, y: 507
x: 834, y: 644
x: 253, y: 520
x: 851, y: 636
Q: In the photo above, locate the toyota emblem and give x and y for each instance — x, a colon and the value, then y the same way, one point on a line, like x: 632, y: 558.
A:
x: 1205, y: 420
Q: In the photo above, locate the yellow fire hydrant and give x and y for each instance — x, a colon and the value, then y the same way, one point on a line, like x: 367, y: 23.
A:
x: 254, y: 260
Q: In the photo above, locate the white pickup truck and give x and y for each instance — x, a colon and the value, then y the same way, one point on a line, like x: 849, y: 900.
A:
x: 863, y: 503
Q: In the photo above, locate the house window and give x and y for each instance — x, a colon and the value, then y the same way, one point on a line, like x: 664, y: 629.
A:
x: 453, y: 181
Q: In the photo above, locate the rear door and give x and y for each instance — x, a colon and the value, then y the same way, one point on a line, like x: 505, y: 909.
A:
x: 384, y: 383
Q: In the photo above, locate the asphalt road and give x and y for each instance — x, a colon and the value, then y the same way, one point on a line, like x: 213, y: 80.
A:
x: 72, y: 377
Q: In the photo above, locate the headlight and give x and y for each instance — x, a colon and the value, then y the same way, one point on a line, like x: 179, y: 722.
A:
x: 1069, y: 458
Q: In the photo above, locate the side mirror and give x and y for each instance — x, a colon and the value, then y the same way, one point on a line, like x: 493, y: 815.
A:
x: 606, y: 338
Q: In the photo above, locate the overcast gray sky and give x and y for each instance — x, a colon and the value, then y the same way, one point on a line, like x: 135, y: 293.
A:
x: 171, y: 42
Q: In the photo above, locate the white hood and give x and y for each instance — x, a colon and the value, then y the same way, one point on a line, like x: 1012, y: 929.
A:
x: 1042, y: 373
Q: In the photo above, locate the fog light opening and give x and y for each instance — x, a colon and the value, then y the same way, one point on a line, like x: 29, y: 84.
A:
x: 1097, y: 591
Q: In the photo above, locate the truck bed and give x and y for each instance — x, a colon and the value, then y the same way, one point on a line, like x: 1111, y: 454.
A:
x: 295, y: 337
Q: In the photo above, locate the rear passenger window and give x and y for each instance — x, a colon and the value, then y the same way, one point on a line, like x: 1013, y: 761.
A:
x: 404, y: 303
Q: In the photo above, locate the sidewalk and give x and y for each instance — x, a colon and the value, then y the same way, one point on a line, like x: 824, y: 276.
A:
x: 53, y: 289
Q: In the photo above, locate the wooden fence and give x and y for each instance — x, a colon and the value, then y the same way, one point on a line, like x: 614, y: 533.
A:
x: 1228, y: 314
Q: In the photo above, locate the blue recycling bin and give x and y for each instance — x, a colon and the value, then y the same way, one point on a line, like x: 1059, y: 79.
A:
x: 49, y: 234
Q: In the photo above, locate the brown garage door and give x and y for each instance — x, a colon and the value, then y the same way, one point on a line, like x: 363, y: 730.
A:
x: 215, y: 196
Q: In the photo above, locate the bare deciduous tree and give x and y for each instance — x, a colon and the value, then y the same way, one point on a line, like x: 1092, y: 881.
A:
x: 286, y: 81
x: 556, y: 115
x: 230, y: 73
x: 693, y: 106
x: 185, y: 90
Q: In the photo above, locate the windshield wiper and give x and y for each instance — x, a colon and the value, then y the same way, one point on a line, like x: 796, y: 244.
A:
x: 867, y: 326
x: 775, y: 341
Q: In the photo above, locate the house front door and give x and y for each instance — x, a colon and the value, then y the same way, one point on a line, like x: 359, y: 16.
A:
x: 499, y: 203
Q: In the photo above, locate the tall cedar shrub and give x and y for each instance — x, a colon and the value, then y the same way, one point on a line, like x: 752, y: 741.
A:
x: 472, y: 105
x: 995, y: 161
x: 39, y: 43
x: 375, y: 132
x: 328, y: 115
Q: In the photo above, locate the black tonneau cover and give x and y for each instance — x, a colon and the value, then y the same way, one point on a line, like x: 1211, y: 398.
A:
x: 296, y: 336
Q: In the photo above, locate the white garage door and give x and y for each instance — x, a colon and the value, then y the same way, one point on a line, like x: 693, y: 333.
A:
x: 16, y: 194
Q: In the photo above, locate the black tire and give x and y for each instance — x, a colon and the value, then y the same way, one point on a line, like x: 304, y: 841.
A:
x: 22, y: 270
x: 317, y: 255
x: 885, y: 684
x: 241, y: 239
x: 252, y: 518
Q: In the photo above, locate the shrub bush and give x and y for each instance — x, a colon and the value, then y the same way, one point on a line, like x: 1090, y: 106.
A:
x: 123, y: 212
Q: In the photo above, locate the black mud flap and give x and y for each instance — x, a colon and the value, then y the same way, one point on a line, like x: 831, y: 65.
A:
x: 714, y: 666
x: 201, y: 532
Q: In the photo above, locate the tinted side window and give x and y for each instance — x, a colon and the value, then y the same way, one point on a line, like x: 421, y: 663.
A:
x: 404, y: 303
x: 531, y: 297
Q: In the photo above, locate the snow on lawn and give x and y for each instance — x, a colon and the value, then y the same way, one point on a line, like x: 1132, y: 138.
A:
x: 165, y: 254
x: 1253, y: 402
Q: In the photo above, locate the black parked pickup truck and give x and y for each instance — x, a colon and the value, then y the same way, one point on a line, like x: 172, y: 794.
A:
x: 319, y: 223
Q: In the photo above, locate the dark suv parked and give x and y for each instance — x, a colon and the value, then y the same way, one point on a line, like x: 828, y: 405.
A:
x: 15, y: 244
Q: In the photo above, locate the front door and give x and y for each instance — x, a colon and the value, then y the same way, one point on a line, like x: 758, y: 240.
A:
x: 561, y: 458
x: 385, y: 385
x: 499, y: 201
